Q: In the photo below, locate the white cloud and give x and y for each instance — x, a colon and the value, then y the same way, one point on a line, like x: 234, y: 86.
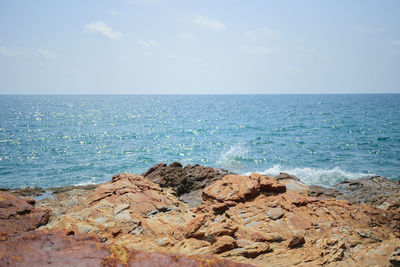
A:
x: 396, y: 42
x: 256, y: 50
x: 5, y: 51
x: 171, y: 55
x: 259, y: 33
x: 209, y: 23
x: 365, y: 29
x: 113, y: 12
x: 147, y: 44
x: 103, y: 29
x: 186, y: 36
x: 46, y: 54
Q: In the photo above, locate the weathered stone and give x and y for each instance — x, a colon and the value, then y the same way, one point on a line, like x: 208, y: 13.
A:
x: 275, y: 213
x: 296, y: 241
x: 56, y: 249
x: 232, y: 222
x: 223, y: 243
x: 187, y: 180
x: 236, y: 188
x: 17, y: 216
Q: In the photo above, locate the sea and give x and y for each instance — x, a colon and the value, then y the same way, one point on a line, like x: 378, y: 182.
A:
x: 77, y: 140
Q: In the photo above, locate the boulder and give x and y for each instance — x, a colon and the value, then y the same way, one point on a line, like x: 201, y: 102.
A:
x: 185, y: 181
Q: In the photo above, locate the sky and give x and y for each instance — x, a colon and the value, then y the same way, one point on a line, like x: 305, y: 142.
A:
x: 199, y: 47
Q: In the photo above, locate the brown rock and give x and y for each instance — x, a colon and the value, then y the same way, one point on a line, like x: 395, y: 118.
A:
x: 296, y: 241
x: 135, y: 213
x: 236, y: 188
x: 268, y: 183
x: 17, y: 215
x: 223, y: 243
x: 56, y: 249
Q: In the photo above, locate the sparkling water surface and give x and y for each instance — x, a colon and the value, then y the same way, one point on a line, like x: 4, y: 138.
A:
x: 62, y: 140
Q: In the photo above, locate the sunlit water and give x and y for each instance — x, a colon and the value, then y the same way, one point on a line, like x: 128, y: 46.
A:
x: 62, y: 140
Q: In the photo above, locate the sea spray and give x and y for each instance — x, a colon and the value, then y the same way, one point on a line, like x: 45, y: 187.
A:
x: 233, y: 159
x: 315, y: 176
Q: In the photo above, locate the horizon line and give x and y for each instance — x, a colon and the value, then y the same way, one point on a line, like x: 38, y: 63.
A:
x: 207, y: 94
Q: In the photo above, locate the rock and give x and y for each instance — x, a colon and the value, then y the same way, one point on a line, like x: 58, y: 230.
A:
x: 296, y: 241
x: 133, y: 213
x: 236, y: 188
x: 376, y: 191
x: 275, y: 213
x: 17, y: 216
x: 187, y: 180
x: 223, y: 244
x: 26, y: 191
x: 268, y: 184
x: 295, y: 186
x: 284, y: 176
x: 249, y: 249
x: 395, y: 258
x: 57, y: 249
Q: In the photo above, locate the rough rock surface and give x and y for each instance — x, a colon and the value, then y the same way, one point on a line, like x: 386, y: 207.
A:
x: 185, y: 181
x: 292, y: 183
x: 59, y: 249
x: 249, y: 219
x: 377, y: 191
x: 19, y: 215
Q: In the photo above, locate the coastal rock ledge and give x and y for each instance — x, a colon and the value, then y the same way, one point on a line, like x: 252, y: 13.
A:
x: 254, y: 220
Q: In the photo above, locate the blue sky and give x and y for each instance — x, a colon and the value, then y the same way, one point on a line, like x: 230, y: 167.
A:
x: 199, y: 47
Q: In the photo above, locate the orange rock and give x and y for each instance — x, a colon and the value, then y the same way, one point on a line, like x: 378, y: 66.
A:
x: 236, y: 188
x: 237, y: 221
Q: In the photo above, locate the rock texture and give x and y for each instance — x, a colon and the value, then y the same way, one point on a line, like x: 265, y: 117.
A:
x: 186, y: 181
x: 59, y: 249
x: 377, y: 191
x: 252, y: 219
x: 256, y: 220
x: 19, y: 215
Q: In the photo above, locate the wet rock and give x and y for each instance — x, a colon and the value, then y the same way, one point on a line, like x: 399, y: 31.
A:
x: 185, y: 180
x: 26, y: 191
x: 284, y: 176
x: 376, y: 191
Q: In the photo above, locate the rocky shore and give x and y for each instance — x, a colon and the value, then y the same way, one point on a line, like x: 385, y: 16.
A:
x: 199, y: 216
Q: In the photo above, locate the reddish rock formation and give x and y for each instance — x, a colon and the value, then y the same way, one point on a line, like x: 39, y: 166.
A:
x: 186, y: 181
x: 19, y: 215
x: 252, y: 219
x: 58, y: 249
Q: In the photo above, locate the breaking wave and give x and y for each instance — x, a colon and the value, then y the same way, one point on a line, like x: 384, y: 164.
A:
x: 314, y: 176
x: 234, y: 158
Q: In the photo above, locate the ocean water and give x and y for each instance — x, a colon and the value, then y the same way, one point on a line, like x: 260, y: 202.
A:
x: 62, y: 140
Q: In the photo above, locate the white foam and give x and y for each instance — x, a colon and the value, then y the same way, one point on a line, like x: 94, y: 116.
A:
x: 315, y: 176
x: 232, y: 158
x: 84, y: 183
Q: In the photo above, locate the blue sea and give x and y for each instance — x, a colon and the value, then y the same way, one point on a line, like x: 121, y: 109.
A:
x: 74, y: 140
